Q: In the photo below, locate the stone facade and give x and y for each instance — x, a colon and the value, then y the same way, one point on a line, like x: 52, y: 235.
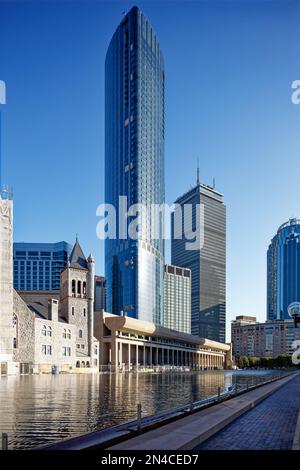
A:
x: 6, y: 285
x: 24, y: 328
x: 55, y: 345
x: 41, y: 333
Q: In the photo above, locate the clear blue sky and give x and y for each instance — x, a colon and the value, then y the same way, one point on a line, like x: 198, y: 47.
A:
x: 229, y: 67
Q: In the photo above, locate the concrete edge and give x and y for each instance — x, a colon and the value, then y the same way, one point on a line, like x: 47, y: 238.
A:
x: 296, y: 441
x: 163, y: 433
x: 248, y: 406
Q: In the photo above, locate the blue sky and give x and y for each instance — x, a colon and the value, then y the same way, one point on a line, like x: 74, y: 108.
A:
x: 229, y: 69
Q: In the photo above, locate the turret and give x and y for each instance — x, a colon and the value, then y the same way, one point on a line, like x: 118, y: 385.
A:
x: 90, y: 299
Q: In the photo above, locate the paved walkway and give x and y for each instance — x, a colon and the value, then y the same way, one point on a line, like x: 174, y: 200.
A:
x: 269, y: 426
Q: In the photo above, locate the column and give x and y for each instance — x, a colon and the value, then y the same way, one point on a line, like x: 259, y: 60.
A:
x: 121, y: 353
x: 144, y: 355
x: 173, y: 356
x: 129, y: 355
x: 156, y: 355
x: 137, y: 355
x: 168, y: 356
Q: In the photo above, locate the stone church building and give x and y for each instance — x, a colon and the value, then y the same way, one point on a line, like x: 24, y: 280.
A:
x: 41, y: 332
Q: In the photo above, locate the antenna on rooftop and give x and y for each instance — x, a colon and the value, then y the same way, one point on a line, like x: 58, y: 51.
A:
x: 214, y: 183
x: 198, y: 181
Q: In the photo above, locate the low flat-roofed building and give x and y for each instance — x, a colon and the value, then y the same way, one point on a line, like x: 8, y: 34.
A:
x: 128, y: 342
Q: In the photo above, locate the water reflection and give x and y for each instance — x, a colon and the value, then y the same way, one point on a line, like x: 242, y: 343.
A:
x: 44, y: 408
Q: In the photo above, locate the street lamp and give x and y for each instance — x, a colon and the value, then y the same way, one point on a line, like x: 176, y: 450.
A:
x: 294, y: 312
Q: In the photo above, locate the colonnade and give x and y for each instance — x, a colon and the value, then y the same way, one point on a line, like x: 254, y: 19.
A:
x: 139, y: 354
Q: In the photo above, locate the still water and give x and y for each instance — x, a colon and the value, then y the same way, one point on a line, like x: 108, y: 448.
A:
x: 38, y: 409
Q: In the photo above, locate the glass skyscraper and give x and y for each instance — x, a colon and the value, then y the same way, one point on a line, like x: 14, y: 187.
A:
x: 207, y: 261
x: 37, y: 266
x: 283, y: 270
x: 134, y: 165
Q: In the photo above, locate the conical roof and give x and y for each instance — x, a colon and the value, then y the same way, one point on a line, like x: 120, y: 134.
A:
x: 77, y: 258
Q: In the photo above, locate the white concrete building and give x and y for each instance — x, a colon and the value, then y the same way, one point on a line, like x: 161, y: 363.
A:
x: 177, y: 298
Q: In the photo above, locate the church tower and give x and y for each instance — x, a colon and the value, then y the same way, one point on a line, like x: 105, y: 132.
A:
x: 77, y: 298
x: 6, y: 284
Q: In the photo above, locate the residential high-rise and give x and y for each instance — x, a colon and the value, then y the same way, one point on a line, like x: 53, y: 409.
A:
x: 283, y: 270
x: 134, y: 166
x: 37, y: 266
x: 177, y: 298
x: 206, y: 259
x: 270, y: 339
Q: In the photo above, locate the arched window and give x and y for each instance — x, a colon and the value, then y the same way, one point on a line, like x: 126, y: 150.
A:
x: 69, y: 334
x: 87, y: 364
x: 79, y: 287
x: 78, y: 364
x: 80, y: 333
x: 82, y: 364
x: 49, y: 332
x: 73, y: 288
x: 64, y: 333
x: 84, y: 312
x: 44, y: 330
x: 84, y: 289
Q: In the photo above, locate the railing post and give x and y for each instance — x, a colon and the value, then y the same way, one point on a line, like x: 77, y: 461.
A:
x: 191, y: 407
x: 219, y: 393
x: 247, y: 384
x: 139, y: 418
x: 4, y: 441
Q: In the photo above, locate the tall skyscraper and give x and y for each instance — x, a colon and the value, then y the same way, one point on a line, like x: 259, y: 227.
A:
x: 177, y: 299
x: 37, y: 266
x: 207, y: 260
x: 134, y: 165
x: 283, y: 270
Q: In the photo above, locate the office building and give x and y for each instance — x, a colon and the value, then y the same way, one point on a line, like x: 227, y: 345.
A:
x: 100, y: 293
x: 270, y: 339
x: 201, y: 211
x: 177, y: 298
x: 283, y: 270
x: 37, y: 266
x: 134, y: 166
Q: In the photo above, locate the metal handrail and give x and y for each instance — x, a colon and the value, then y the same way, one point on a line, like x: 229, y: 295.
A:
x: 108, y: 436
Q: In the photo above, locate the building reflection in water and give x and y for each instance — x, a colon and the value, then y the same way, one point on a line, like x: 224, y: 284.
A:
x: 42, y: 408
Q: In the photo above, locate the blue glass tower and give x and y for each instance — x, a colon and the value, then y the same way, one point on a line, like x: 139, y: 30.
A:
x: 37, y: 266
x: 134, y: 165
x: 283, y: 270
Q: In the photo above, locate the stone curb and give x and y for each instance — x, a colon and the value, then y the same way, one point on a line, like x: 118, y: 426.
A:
x: 296, y: 441
x: 191, y: 431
